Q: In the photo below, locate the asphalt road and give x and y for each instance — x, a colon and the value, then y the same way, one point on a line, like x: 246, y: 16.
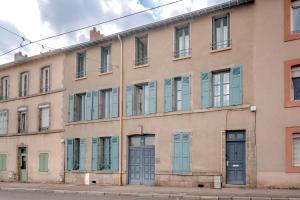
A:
x: 36, y: 195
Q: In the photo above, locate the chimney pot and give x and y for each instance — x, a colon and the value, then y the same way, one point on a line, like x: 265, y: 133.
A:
x: 20, y: 56
x: 95, y: 35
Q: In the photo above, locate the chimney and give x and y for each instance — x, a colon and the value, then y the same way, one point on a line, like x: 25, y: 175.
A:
x: 95, y: 35
x: 20, y: 56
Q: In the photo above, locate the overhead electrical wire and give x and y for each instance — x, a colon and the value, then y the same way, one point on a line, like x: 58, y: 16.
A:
x: 85, y: 27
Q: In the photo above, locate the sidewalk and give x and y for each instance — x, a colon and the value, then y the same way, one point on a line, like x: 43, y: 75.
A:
x: 175, y: 192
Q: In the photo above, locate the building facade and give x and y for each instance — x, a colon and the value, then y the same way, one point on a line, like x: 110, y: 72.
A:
x: 31, y: 123
x: 206, y: 96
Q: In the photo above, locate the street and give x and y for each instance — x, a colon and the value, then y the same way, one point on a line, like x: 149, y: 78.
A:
x: 38, y: 195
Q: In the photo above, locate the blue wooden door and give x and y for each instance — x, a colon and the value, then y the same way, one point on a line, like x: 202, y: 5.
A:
x: 141, y: 166
x: 235, y: 158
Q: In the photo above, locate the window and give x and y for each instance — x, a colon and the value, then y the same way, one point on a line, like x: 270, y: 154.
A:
x: 141, y: 50
x: 106, y: 65
x: 43, y: 162
x: 79, y: 109
x: 295, y: 16
x: 2, y: 162
x: 221, y: 32
x: 80, y: 67
x: 141, y: 99
x: 24, y: 84
x: 105, y: 103
x: 45, y: 79
x: 105, y: 151
x: 4, y: 88
x: 177, y: 94
x: 182, y: 42
x: 44, y: 117
x: 181, y: 152
x: 292, y: 83
x: 22, y: 120
x: 292, y: 151
x: 3, y: 122
x: 76, y: 154
x: 221, y: 89
x: 296, y: 82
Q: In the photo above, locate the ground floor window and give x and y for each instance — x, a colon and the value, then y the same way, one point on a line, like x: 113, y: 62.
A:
x: 76, y: 154
x: 105, y: 153
x: 181, y: 152
x: 43, y: 162
x: 2, y: 162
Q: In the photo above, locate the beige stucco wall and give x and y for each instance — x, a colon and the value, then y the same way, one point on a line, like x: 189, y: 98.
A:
x: 270, y: 52
x: 206, y: 126
x: 35, y: 141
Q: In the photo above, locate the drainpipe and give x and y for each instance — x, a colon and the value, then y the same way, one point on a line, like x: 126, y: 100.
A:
x: 121, y: 113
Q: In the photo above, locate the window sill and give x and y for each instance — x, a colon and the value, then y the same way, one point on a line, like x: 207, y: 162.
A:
x: 81, y: 78
x: 292, y: 36
x: 182, y: 173
x: 182, y: 58
x: 104, y: 73
x: 220, y: 50
x: 44, y: 173
x: 92, y: 121
x: 292, y: 104
x: 104, y: 172
x: 141, y: 66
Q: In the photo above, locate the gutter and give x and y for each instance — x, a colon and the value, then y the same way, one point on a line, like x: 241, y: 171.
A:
x: 121, y: 113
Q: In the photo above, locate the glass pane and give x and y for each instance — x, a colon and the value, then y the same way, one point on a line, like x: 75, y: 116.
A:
x: 149, y: 140
x: 217, y: 101
x: 226, y: 89
x: 226, y: 100
x: 226, y: 78
x: 216, y: 90
x: 295, y: 20
x: 146, y: 99
x: 216, y: 79
x: 135, y: 141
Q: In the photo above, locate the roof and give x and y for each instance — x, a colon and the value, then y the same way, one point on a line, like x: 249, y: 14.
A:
x: 191, y: 15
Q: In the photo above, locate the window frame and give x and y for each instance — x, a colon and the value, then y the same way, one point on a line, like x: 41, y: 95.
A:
x: 5, y: 163
x: 42, y: 170
x: 5, y: 111
x: 144, y: 101
x: 76, y: 106
x: 4, y: 93
x: 80, y: 74
x: 43, y: 88
x: 144, y: 59
x: 23, y: 109
x: 288, y: 101
x: 214, y: 42
x: 101, y: 155
x: 103, y: 107
x: 26, y: 90
x: 41, y: 107
x: 108, y: 66
x: 221, y: 84
x: 177, y: 51
x: 288, y: 35
x: 289, y: 135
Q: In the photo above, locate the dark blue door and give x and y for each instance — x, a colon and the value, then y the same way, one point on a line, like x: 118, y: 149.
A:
x: 141, y: 165
x: 235, y: 158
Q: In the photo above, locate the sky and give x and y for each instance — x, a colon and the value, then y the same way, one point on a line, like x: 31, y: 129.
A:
x: 36, y: 19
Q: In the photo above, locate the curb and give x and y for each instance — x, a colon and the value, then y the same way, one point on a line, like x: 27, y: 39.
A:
x: 151, y: 195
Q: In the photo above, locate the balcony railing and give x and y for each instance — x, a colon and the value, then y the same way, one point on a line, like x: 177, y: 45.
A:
x: 105, y: 68
x: 182, y: 53
x: 220, y: 45
x: 80, y: 74
x: 141, y: 61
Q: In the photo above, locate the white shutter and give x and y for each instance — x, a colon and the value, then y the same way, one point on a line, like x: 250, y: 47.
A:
x: 45, y: 117
x: 4, y: 122
x: 296, y: 151
x: 1, y: 122
x: 296, y: 72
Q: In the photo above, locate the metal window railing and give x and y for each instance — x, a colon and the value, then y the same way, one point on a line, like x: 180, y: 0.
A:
x: 105, y: 68
x: 182, y: 53
x: 220, y: 45
x: 80, y: 74
x: 141, y: 61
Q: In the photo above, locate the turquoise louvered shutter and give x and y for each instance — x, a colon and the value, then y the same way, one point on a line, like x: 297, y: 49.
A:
x: 236, y: 89
x: 82, y: 154
x: 129, y: 100
x: 71, y: 108
x: 88, y: 105
x: 152, y: 97
x: 168, y: 95
x: 115, y: 102
x: 95, y: 106
x: 69, y: 154
x: 205, y: 90
x: 115, y: 153
x: 185, y: 152
x: 94, y: 154
x: 186, y: 93
x: 177, y: 149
